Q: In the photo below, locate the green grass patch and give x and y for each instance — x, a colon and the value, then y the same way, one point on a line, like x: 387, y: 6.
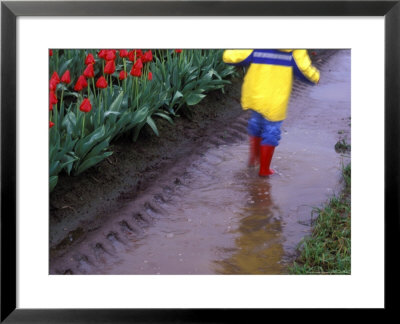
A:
x: 328, y: 249
x: 342, y: 146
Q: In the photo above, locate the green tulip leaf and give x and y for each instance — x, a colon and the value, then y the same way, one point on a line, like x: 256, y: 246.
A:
x: 92, y: 161
x: 115, y: 106
x: 64, y: 67
x: 54, y: 167
x: 194, y: 99
x: 53, y: 182
x: 98, y: 149
x: 176, y: 98
x: 84, y: 145
x: 153, y: 126
x: 162, y: 115
x: 69, y: 122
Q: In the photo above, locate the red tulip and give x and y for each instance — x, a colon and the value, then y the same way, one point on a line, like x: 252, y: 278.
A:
x: 313, y: 53
x: 51, y: 52
x: 84, y: 82
x: 110, y: 67
x: 122, y: 75
x: 102, y: 54
x: 123, y: 53
x: 66, y: 78
x: 55, y: 77
x: 51, y: 124
x: 53, y: 98
x: 138, y: 64
x: 150, y: 76
x: 110, y: 56
x: 89, y: 59
x: 178, y: 51
x: 131, y: 56
x: 85, y: 106
x: 134, y: 55
x: 101, y: 83
x: 89, y: 71
x: 53, y: 85
x: 136, y: 72
x: 80, y: 84
x: 147, y: 57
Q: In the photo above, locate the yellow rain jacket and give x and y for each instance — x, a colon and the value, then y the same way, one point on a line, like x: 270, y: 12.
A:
x: 268, y: 82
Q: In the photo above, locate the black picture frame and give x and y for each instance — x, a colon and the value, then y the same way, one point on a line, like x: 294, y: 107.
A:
x: 11, y: 10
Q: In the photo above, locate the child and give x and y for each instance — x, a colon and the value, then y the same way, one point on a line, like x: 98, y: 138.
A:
x: 266, y: 90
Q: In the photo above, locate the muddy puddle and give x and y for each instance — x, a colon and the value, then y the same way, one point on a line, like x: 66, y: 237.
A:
x: 211, y: 214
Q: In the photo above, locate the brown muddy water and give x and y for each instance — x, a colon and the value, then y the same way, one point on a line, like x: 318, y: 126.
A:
x: 211, y: 214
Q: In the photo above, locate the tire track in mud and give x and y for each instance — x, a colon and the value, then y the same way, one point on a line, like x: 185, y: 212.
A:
x: 105, y: 247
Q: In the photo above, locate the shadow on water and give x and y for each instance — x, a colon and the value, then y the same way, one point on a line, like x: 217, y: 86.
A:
x: 259, y: 247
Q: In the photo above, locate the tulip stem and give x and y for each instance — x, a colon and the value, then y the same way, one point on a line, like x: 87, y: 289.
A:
x: 98, y: 109
x: 83, y: 125
x: 56, y: 60
x: 180, y: 59
x: 55, y: 117
x: 124, y: 74
x: 133, y: 91
x: 136, y: 93
x: 88, y: 90
x: 94, y: 89
x: 81, y: 99
x: 62, y: 97
x: 104, y: 98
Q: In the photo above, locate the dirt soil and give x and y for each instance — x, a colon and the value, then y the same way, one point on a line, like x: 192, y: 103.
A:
x: 87, y: 212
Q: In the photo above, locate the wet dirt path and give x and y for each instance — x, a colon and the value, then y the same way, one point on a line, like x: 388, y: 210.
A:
x: 211, y: 214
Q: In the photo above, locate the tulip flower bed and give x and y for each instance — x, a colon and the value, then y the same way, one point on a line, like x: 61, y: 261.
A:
x: 98, y: 95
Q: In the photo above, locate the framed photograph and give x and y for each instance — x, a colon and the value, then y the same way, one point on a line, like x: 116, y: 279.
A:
x: 354, y: 45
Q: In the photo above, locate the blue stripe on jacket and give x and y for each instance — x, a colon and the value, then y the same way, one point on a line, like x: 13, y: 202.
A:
x: 271, y: 61
x: 272, y: 57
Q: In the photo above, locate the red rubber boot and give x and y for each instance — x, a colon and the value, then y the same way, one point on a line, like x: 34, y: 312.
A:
x: 266, y: 153
x: 254, y: 150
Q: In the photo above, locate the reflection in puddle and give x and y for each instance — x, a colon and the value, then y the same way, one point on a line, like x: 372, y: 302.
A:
x: 260, y: 235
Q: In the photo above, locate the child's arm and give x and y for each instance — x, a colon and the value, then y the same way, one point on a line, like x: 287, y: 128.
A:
x: 303, y: 67
x: 237, y: 57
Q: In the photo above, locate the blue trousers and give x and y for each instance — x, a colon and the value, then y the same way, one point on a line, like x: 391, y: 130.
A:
x: 270, y: 132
